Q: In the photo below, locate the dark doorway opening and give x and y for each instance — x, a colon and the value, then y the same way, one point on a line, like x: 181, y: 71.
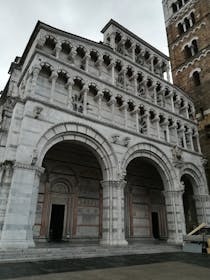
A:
x: 56, y: 222
x: 155, y: 225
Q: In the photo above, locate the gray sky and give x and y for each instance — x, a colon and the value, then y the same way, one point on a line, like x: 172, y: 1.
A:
x: 82, y: 17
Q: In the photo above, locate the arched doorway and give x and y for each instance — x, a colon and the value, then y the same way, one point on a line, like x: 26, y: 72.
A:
x: 145, y: 213
x: 190, y: 213
x: 70, y: 196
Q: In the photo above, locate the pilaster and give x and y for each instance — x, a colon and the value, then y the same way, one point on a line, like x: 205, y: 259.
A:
x: 21, y: 207
x: 113, y: 213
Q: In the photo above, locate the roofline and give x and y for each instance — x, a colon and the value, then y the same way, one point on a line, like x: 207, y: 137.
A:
x: 112, y: 21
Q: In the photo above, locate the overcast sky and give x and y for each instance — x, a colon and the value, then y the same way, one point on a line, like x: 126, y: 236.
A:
x: 85, y: 18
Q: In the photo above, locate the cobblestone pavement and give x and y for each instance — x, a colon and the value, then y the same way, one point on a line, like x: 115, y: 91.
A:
x: 154, y: 266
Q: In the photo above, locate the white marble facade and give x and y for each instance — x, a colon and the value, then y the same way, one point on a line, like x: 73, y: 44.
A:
x: 126, y: 137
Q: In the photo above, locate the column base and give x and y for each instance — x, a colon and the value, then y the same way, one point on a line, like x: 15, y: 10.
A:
x: 114, y: 242
x: 16, y: 244
x: 175, y: 242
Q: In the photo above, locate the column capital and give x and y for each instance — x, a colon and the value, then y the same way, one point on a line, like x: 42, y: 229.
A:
x: 113, y: 183
x: 173, y: 194
x: 54, y: 75
x: 202, y: 197
x: 38, y: 169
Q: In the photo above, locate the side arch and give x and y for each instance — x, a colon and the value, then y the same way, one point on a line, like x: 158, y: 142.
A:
x: 199, y: 182
x: 72, y: 131
x: 159, y: 159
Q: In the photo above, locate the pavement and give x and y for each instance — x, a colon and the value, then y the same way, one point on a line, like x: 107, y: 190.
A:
x: 163, y: 266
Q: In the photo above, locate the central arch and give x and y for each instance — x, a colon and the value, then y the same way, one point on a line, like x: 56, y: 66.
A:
x: 81, y: 133
x: 76, y: 159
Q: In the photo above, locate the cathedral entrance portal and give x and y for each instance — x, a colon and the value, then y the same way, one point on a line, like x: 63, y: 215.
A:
x: 190, y: 212
x: 56, y: 222
x: 145, y: 212
x: 70, y: 195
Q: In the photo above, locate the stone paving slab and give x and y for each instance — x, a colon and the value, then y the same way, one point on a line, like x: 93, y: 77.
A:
x: 149, y: 266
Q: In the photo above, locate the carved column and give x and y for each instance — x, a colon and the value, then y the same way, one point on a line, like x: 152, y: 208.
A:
x: 172, y: 104
x: 35, y: 75
x: 196, y: 135
x: 189, y: 134
x: 53, y: 79
x: 175, y: 215
x: 98, y: 98
x: 156, y: 120
x: 58, y: 49
x: 72, y: 55
x: 124, y: 108
x: 133, y: 51
x: 168, y: 73
x: 136, y: 112
x: 84, y: 91
x: 112, y: 65
x: 87, y: 59
x: 147, y: 122
x: 69, y: 86
x: 113, y: 213
x: 19, y: 220
x: 112, y: 103
x: 112, y: 40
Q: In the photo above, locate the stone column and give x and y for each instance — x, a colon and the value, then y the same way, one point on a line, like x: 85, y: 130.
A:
x: 98, y: 98
x: 196, y: 135
x: 18, y: 225
x: 168, y: 73
x: 152, y: 63
x: 35, y: 75
x: 69, y: 86
x: 87, y: 59
x: 112, y: 40
x: 58, y: 49
x: 112, y: 103
x: 124, y: 108
x: 136, y: 112
x: 175, y: 216
x: 202, y: 202
x: 84, y: 91
x: 172, y: 104
x: 135, y: 84
x: 133, y: 51
x: 156, y: 120
x: 112, y: 65
x: 146, y: 115
x: 53, y: 79
x: 113, y: 213
x: 189, y: 133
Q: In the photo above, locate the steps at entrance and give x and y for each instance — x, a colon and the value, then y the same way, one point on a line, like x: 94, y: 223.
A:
x: 72, y: 252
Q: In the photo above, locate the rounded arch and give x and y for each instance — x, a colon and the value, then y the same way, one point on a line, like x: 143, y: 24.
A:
x: 157, y: 157
x: 71, y: 131
x: 196, y: 177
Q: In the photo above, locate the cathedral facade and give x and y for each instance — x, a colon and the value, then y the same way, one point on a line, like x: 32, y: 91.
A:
x: 96, y: 144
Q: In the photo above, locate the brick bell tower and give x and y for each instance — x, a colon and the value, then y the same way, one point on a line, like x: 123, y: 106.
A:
x: 188, y: 32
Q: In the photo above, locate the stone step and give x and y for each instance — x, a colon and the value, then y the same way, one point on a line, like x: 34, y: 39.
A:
x: 34, y: 254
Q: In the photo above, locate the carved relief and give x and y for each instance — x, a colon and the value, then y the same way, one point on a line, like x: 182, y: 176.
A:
x: 122, y: 142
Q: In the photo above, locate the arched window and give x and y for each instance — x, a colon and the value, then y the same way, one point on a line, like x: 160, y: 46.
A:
x: 174, y: 8
x: 193, y: 18
x: 180, y: 28
x: 187, y: 23
x: 196, y: 78
x: 187, y: 51
x: 180, y: 3
x: 195, y: 46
